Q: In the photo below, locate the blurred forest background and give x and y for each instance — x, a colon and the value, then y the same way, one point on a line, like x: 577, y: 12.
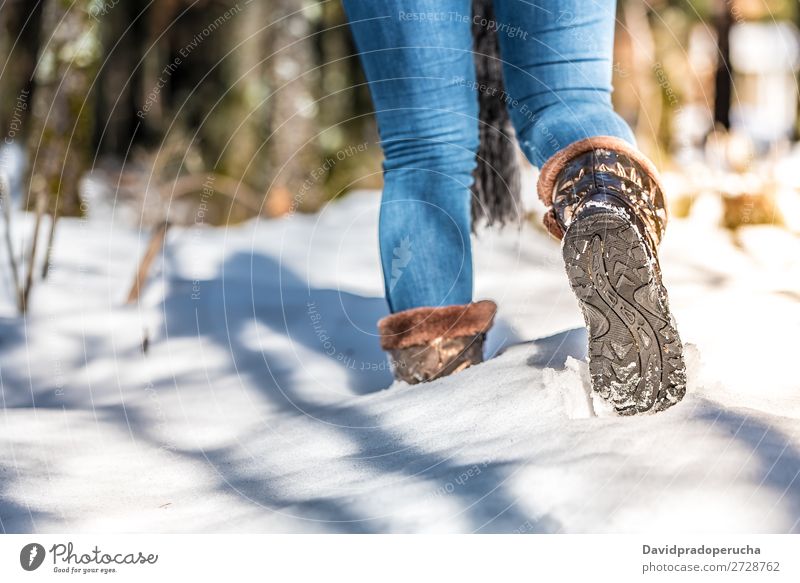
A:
x: 259, y: 107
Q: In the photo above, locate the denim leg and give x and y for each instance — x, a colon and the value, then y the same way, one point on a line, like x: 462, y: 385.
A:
x: 417, y: 55
x: 557, y: 66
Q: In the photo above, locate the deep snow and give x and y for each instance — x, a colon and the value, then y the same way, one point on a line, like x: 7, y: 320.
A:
x: 259, y: 404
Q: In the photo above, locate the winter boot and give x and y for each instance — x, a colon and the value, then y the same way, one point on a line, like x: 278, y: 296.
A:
x: 608, y: 208
x: 428, y: 343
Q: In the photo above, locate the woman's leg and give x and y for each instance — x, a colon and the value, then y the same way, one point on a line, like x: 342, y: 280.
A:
x: 417, y: 55
x: 557, y: 59
x: 606, y: 200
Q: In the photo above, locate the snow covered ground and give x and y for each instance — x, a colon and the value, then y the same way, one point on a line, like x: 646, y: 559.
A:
x: 260, y: 403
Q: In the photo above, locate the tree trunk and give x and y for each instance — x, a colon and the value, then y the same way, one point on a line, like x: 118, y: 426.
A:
x: 293, y: 148
x: 60, y: 143
x: 240, y: 122
x: 120, y: 80
x: 723, y: 82
x: 19, y: 41
x: 652, y: 126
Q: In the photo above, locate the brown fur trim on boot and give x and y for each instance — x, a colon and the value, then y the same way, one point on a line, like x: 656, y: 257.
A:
x: 602, y: 163
x: 428, y: 343
x: 419, y: 326
x: 555, y: 164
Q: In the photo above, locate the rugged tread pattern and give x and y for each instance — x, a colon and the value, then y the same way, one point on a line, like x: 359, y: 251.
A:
x: 635, y: 353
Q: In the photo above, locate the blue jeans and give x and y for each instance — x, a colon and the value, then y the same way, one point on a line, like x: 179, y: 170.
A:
x: 417, y: 55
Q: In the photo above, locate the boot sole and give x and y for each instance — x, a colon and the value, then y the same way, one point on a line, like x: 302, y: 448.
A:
x: 635, y: 354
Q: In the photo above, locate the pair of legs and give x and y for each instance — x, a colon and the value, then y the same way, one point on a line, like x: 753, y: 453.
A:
x: 417, y: 54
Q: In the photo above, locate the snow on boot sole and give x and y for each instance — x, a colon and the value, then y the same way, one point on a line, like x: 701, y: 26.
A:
x: 635, y: 353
